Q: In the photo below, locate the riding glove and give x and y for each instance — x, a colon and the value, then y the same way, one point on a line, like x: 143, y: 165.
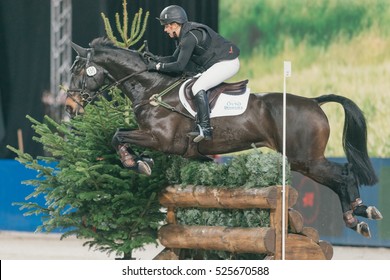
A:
x: 153, y: 66
x: 148, y: 56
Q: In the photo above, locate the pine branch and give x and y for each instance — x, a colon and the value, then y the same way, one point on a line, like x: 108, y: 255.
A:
x: 125, y: 21
x: 108, y: 29
x: 137, y: 29
x: 141, y: 33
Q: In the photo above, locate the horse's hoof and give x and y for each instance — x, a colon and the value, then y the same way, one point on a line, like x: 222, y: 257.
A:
x: 373, y: 213
x: 363, y: 229
x: 148, y: 160
x: 144, y: 168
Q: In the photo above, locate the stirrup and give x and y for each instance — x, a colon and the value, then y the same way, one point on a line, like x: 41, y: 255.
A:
x: 195, y: 132
x: 200, y: 137
x: 204, y: 134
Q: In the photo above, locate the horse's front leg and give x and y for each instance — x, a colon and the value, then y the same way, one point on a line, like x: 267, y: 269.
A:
x: 121, y: 142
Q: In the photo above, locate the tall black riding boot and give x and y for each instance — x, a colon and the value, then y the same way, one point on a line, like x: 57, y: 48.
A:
x: 204, y: 130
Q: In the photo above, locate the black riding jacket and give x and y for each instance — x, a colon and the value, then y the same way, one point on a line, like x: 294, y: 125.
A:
x: 199, y: 47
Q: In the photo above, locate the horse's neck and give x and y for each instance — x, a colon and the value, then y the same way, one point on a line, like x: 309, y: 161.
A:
x: 139, y: 87
x: 146, y: 84
x: 125, y: 62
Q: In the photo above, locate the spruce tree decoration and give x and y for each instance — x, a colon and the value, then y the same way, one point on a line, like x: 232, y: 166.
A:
x: 137, y: 29
x: 253, y: 169
x: 87, y: 191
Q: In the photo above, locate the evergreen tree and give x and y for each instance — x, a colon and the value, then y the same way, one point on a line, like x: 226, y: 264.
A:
x: 129, y: 37
x: 87, y: 191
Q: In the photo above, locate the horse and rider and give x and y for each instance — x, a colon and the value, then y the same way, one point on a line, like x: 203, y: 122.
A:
x: 198, y: 48
x: 165, y: 124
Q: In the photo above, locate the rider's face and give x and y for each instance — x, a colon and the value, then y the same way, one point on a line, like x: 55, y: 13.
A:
x: 173, y: 29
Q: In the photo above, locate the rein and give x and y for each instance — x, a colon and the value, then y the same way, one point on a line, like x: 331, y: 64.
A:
x: 115, y: 83
x: 87, y: 98
x: 154, y: 100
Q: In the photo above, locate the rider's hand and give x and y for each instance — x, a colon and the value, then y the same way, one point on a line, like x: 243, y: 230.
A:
x: 153, y: 66
x: 148, y: 56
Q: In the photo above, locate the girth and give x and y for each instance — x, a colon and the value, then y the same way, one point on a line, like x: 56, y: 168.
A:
x: 236, y: 88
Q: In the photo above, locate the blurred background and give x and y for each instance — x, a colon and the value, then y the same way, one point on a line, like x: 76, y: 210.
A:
x: 335, y: 46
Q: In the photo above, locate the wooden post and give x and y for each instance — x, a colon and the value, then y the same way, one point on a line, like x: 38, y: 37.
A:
x: 303, y: 245
x: 239, y: 240
x: 171, y: 218
x: 204, y: 197
x: 20, y: 140
x: 276, y: 223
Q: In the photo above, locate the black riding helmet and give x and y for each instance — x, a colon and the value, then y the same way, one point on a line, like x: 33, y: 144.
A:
x: 173, y: 13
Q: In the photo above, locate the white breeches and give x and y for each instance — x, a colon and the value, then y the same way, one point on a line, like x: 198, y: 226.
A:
x: 216, y: 74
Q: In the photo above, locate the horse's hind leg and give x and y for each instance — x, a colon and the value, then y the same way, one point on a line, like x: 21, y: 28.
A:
x: 342, y: 181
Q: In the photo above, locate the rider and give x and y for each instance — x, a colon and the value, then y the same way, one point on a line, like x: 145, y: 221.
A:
x: 197, y: 44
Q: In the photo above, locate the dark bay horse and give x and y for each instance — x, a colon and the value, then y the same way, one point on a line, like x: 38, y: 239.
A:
x: 165, y: 129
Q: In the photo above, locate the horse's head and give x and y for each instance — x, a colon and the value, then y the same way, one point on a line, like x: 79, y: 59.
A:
x: 86, y: 80
x: 102, y: 64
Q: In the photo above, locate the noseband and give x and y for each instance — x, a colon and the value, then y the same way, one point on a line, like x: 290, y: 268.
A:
x: 85, y: 95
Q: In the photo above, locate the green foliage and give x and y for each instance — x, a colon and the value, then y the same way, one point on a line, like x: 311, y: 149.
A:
x: 137, y: 29
x: 251, y: 170
x: 265, y: 25
x: 88, y: 193
x: 335, y: 46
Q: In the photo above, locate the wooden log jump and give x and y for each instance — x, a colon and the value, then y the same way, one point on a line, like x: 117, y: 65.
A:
x: 302, y: 243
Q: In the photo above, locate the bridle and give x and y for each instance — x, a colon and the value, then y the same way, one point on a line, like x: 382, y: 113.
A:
x: 89, y: 96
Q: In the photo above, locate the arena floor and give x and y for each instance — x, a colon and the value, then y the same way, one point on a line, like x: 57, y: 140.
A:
x: 38, y: 246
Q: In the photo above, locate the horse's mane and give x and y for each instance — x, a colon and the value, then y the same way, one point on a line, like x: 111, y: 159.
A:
x: 103, y: 42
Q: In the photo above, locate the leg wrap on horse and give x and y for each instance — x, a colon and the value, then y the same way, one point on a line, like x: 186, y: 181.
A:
x: 359, y: 208
x: 370, y: 212
x: 358, y: 201
x: 126, y: 158
x: 349, y: 219
x: 353, y: 195
x: 142, y: 165
x: 353, y: 223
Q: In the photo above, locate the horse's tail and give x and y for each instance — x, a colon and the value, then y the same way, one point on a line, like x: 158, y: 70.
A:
x: 354, y: 139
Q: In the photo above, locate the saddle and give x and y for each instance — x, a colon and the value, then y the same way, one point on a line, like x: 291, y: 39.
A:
x: 236, y: 88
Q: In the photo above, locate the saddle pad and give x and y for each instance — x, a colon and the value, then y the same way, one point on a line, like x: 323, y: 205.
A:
x: 226, y: 105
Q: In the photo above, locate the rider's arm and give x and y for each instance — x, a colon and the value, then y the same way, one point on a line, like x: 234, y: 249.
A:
x: 183, y: 52
x: 170, y: 58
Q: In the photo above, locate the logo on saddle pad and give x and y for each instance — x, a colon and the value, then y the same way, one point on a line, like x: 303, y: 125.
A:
x: 226, y: 99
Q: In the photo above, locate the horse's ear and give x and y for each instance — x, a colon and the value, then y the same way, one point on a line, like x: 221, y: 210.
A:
x: 80, y: 50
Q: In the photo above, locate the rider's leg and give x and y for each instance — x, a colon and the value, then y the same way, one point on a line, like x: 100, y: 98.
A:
x: 212, y: 77
x: 203, y: 117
